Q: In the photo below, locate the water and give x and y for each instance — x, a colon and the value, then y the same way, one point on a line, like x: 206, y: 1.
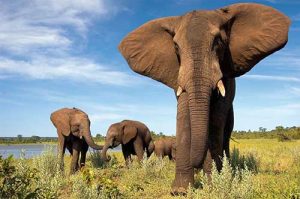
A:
x: 31, y: 150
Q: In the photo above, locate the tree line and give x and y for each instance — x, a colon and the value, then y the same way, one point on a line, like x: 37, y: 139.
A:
x: 281, y: 133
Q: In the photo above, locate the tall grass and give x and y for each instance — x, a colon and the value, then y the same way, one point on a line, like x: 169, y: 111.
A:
x: 227, y: 184
x: 257, y: 169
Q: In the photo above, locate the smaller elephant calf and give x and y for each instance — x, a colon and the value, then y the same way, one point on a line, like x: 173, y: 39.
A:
x: 134, y: 137
x: 165, y: 147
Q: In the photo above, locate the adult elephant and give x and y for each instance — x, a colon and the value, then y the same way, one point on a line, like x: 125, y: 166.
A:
x: 134, y: 136
x: 198, y: 55
x: 165, y: 147
x: 73, y: 130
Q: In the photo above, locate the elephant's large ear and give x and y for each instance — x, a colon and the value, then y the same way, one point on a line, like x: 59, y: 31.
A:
x: 129, y: 133
x: 150, y: 50
x: 256, y: 32
x: 61, y: 120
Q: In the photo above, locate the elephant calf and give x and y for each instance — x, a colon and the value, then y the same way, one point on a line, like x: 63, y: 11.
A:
x: 134, y: 137
x: 73, y: 130
x: 165, y: 147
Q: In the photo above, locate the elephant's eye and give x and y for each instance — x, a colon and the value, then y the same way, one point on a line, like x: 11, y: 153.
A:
x: 177, y: 51
x: 218, y: 43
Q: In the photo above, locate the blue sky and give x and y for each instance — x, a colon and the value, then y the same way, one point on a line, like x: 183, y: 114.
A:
x: 63, y: 53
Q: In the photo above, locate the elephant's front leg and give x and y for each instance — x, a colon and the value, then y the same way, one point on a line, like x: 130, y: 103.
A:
x: 218, y: 119
x: 184, y: 171
x: 126, y: 154
x: 138, y: 146
x: 227, y: 131
x: 75, y: 157
x: 61, y: 150
x: 84, y: 149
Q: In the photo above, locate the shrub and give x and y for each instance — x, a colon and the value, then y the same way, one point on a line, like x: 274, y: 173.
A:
x: 86, y: 185
x: 239, y: 162
x: 284, y: 138
x: 227, y: 184
x: 98, y: 162
x: 51, y: 178
x: 15, y: 182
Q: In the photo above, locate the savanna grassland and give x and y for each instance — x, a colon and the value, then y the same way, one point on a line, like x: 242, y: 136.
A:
x: 272, y: 171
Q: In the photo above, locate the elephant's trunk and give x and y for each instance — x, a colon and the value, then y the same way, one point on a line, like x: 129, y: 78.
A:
x: 199, y: 91
x: 89, y: 140
x: 150, y: 148
x: 103, y: 154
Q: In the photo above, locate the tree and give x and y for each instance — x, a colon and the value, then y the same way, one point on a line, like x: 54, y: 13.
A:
x: 279, y: 128
x: 262, y: 129
x: 99, y: 137
x: 19, y: 138
x: 35, y: 138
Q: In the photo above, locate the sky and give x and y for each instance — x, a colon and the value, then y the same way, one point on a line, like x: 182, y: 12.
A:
x: 63, y: 53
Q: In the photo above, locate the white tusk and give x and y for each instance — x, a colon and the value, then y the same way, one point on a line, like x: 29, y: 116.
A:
x: 221, y: 88
x: 81, y: 137
x: 179, y: 91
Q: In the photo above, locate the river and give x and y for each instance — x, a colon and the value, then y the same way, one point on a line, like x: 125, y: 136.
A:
x: 31, y: 150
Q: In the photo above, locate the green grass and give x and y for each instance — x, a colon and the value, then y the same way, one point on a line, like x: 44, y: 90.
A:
x: 259, y: 168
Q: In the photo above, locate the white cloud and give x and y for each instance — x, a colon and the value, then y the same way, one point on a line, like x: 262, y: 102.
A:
x: 72, y: 68
x: 295, y: 90
x: 42, y: 33
x: 285, y: 59
x: 26, y: 25
x: 273, y: 78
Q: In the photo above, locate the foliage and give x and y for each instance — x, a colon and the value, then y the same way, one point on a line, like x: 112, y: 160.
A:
x: 99, y: 138
x: 26, y: 140
x: 15, y: 181
x: 49, y: 174
x: 98, y: 162
x: 280, y: 133
x: 87, y: 185
x: 241, y: 162
x: 227, y: 184
x: 260, y: 168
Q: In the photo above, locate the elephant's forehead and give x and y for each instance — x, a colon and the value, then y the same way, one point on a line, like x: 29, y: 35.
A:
x: 203, y: 17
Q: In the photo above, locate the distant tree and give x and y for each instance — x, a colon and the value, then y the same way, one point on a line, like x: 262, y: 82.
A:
x: 19, y: 138
x: 161, y: 134
x: 35, y: 138
x: 279, y: 128
x: 262, y: 129
x: 99, y: 137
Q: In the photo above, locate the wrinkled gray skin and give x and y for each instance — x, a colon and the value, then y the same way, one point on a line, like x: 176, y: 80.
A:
x: 165, y: 147
x: 134, y: 137
x: 198, y: 55
x: 73, y: 130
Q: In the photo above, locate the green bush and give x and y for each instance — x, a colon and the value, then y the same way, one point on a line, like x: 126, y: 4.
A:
x: 16, y: 181
x: 87, y: 184
x: 227, y: 184
x: 50, y: 177
x: 239, y: 162
x: 98, y: 162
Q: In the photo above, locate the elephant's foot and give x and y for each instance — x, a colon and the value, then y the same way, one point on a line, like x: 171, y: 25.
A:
x: 82, y: 165
x: 182, y: 182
